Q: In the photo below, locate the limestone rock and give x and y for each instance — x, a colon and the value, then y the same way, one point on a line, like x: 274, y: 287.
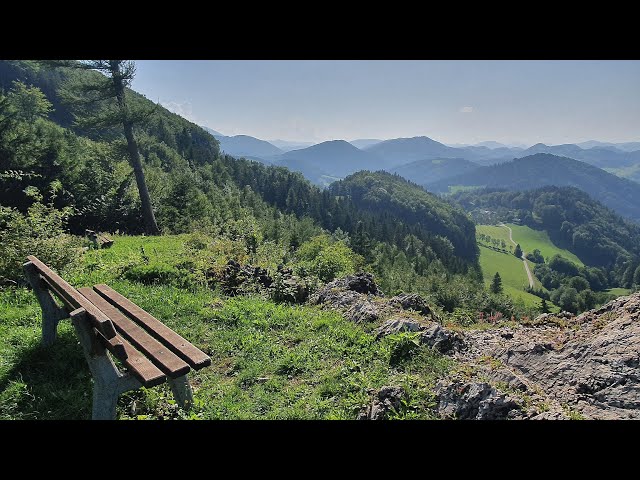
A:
x: 412, y: 301
x: 475, y: 401
x: 385, y: 400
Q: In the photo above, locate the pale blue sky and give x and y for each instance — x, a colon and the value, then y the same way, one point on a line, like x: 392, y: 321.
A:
x: 450, y: 101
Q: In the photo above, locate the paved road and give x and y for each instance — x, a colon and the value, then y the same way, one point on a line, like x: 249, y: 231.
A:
x: 526, y: 264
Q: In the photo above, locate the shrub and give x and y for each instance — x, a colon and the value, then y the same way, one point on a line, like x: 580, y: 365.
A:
x: 39, y: 232
x: 159, y: 274
x: 328, y: 259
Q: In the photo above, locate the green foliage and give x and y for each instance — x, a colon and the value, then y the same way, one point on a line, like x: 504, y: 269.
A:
x: 159, y: 274
x: 535, y: 256
x: 328, y: 259
x: 39, y: 232
x: 402, y: 346
x: 518, y: 251
x: 496, y: 284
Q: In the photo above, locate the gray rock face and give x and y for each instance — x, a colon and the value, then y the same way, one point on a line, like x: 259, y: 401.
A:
x: 399, y: 324
x: 441, y: 339
x: 475, y: 401
x: 356, y: 296
x: 412, y: 301
x: 385, y: 400
x: 593, y: 365
x: 360, y: 283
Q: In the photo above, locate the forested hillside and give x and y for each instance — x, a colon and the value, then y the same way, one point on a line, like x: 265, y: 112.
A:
x: 607, y: 244
x: 619, y: 194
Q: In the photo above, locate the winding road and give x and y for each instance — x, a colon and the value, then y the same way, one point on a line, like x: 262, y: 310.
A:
x: 524, y: 260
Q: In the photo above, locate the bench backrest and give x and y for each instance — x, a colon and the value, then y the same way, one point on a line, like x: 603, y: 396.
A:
x: 72, y: 299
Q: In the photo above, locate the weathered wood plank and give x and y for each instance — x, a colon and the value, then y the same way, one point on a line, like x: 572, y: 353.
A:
x: 139, y: 365
x: 73, y: 299
x: 195, y: 357
x: 159, y: 354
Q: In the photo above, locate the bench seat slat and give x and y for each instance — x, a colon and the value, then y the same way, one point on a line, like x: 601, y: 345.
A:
x: 72, y: 298
x: 160, y: 355
x: 139, y: 365
x: 195, y: 357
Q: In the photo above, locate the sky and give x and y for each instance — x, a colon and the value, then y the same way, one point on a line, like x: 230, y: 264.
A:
x: 512, y: 102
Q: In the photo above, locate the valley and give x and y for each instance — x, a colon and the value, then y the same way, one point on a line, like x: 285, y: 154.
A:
x: 369, y: 279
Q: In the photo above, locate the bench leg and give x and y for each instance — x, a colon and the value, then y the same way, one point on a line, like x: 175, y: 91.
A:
x: 108, y: 382
x: 51, y: 312
x: 182, y: 391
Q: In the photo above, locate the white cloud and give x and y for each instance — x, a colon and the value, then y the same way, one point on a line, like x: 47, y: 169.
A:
x: 184, y: 109
x: 466, y: 109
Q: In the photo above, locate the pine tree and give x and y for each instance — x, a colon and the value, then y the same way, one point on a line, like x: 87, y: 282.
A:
x: 496, y: 284
x: 107, y: 103
x: 544, y: 307
x: 518, y: 251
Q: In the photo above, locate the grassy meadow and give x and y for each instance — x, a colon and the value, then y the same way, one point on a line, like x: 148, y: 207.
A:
x: 270, y: 361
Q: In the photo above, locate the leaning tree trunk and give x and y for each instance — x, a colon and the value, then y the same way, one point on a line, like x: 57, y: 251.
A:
x: 150, y: 225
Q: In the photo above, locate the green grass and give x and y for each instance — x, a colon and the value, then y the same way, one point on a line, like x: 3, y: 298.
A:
x: 271, y: 361
x: 512, y: 272
x: 530, y: 239
x: 619, y: 292
x: 494, y: 231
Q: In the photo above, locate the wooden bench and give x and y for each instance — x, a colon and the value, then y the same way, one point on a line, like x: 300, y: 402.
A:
x: 105, y: 321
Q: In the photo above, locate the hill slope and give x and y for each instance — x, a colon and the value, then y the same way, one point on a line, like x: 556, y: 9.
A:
x: 619, y: 194
x: 410, y: 203
x: 424, y: 172
x: 400, y: 151
x: 246, y: 146
x: 573, y: 221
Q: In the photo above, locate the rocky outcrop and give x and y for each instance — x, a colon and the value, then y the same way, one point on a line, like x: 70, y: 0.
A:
x: 357, y: 296
x: 475, y: 401
x: 589, y: 363
x: 440, y: 338
x: 385, y: 400
x: 399, y: 324
x: 412, y: 301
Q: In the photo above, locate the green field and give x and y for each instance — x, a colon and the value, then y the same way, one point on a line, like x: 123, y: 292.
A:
x: 619, y: 292
x: 494, y: 231
x: 530, y: 239
x: 514, y: 277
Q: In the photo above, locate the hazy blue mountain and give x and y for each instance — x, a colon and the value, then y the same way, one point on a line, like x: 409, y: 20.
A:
x: 399, y: 151
x: 336, y: 158
x: 625, y: 146
x: 491, y: 144
x: 603, y: 157
x: 213, y: 132
x: 246, y: 146
x: 286, y: 145
x: 424, y: 172
x: 533, y: 171
x: 364, y: 142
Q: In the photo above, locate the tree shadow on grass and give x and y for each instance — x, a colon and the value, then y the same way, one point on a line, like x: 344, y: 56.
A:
x: 48, y: 383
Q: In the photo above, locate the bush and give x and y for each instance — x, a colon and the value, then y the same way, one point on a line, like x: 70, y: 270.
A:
x: 328, y: 259
x: 159, y: 274
x: 39, y: 232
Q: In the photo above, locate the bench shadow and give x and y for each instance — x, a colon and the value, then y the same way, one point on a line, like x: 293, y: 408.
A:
x: 48, y: 383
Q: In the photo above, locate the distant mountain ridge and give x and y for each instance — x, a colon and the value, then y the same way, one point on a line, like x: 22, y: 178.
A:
x: 337, y: 158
